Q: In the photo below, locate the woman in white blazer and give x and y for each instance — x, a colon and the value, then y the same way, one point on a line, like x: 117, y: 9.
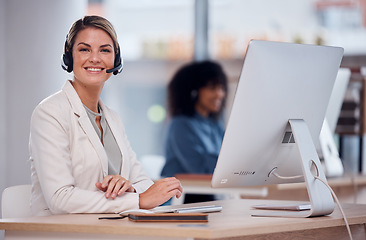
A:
x: 81, y: 160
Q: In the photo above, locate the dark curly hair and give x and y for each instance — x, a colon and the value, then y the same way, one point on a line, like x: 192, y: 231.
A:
x: 184, y: 87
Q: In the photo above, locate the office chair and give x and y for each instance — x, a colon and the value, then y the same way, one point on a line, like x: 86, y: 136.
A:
x: 152, y: 165
x: 15, y: 201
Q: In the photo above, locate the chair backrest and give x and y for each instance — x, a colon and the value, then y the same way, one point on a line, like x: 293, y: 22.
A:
x: 152, y: 165
x: 15, y: 201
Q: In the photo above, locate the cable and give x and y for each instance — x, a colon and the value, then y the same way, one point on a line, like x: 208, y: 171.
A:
x: 286, y: 178
x: 333, y: 194
x: 339, y: 206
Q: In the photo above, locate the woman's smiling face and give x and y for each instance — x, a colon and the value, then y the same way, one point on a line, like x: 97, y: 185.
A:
x: 93, y: 54
x: 210, y: 99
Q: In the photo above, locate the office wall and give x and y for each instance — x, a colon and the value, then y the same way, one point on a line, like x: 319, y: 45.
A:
x: 32, y: 35
x: 2, y: 95
x: 2, y: 101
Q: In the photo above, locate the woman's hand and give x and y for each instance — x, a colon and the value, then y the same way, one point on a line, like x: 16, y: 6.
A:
x: 114, y: 185
x: 160, y: 192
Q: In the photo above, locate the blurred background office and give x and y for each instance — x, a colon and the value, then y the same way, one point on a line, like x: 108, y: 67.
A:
x: 157, y: 37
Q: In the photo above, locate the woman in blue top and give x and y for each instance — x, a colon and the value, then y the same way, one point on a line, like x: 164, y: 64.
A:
x: 196, y: 99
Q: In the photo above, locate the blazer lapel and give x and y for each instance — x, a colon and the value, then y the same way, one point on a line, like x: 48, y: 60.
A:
x: 86, y: 125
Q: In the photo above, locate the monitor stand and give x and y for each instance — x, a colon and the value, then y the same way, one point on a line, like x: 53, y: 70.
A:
x: 321, y: 200
x: 332, y: 162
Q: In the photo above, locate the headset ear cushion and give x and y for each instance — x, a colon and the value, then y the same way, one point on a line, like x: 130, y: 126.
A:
x: 118, y: 62
x: 67, y: 62
x: 194, y: 94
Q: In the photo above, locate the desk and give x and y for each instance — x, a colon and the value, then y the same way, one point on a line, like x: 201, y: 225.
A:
x: 234, y: 222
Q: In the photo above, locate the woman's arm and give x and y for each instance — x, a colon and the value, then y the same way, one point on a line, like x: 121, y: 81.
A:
x: 186, y: 145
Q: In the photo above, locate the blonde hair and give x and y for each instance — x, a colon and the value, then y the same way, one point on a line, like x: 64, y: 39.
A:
x: 91, y: 21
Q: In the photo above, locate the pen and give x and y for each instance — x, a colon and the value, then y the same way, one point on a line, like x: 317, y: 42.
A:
x: 112, y: 218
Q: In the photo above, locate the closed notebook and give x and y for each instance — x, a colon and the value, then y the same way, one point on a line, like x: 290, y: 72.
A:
x: 168, y: 217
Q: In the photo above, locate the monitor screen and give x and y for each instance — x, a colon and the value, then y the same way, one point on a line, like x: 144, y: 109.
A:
x: 279, y: 81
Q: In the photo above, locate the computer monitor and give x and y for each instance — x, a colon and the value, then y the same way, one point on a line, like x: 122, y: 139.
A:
x: 276, y: 117
x: 337, y: 98
x: 328, y: 151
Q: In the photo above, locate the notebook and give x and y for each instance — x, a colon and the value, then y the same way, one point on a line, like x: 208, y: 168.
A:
x: 176, y: 209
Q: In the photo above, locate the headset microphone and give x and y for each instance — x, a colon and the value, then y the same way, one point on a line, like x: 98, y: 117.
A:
x: 117, y: 69
x: 118, y: 63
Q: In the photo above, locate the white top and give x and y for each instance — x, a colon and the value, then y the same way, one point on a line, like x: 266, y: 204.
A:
x: 109, y: 142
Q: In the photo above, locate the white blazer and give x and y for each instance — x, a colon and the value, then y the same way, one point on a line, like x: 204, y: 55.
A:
x: 67, y: 159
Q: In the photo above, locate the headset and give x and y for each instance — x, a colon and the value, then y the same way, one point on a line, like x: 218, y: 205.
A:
x: 194, y: 95
x: 67, y: 61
